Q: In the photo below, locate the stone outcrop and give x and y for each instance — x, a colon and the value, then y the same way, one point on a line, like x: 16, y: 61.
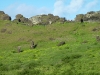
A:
x: 22, y: 19
x: 36, y: 19
x: 4, y: 16
x: 91, y: 16
x: 46, y: 19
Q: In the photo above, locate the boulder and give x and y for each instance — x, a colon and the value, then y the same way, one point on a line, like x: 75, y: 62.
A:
x: 16, y: 20
x: 19, y: 16
x: 36, y: 19
x: 61, y: 43
x: 2, y: 12
x: 46, y: 19
x: 4, y: 16
x: 92, y: 16
x: 79, y: 17
x: 22, y: 19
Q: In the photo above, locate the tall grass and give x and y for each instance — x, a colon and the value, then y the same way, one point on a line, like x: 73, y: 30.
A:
x: 79, y: 56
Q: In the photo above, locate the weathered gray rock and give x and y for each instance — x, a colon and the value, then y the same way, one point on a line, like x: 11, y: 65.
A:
x: 19, y: 16
x: 22, y: 19
x: 46, y: 19
x: 4, y: 16
x: 91, y: 16
x: 16, y: 20
x: 36, y: 19
x: 2, y: 12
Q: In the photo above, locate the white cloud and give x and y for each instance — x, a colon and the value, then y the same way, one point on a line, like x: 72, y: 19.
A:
x: 58, y: 7
x: 90, y: 6
x: 61, y: 8
x: 25, y: 10
x: 73, y: 8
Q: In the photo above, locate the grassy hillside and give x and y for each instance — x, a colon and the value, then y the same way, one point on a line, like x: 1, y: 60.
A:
x: 79, y: 56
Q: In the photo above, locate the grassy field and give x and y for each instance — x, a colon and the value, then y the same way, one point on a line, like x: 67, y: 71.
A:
x: 79, y: 56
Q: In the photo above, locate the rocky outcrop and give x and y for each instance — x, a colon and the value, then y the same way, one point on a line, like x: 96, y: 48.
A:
x: 91, y: 16
x: 22, y: 19
x: 46, y: 19
x: 4, y: 16
x: 36, y: 19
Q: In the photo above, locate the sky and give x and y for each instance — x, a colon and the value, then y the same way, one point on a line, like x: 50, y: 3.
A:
x: 63, y: 8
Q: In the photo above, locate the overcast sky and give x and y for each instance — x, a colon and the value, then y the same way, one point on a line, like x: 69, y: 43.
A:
x: 63, y: 8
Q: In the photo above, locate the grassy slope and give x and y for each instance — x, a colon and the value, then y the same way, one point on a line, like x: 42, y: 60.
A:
x: 73, y: 58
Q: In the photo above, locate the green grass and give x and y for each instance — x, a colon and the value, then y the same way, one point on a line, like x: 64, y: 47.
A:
x: 79, y: 56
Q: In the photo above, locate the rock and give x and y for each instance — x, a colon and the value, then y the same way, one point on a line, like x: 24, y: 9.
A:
x: 33, y: 46
x: 2, y: 12
x: 19, y: 49
x: 85, y: 41
x: 19, y: 16
x: 79, y: 17
x: 36, y: 19
x: 81, y: 20
x: 4, y: 16
x: 62, y: 20
x: 94, y: 29
x: 98, y: 38
x: 92, y: 16
x: 46, y: 19
x: 61, y: 43
x: 3, y: 30
x: 22, y: 19
x: 16, y: 20
x: 51, y: 39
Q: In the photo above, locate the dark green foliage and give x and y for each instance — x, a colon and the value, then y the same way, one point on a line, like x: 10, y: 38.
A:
x: 70, y: 58
x: 3, y: 67
x: 29, y: 69
x: 28, y: 72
